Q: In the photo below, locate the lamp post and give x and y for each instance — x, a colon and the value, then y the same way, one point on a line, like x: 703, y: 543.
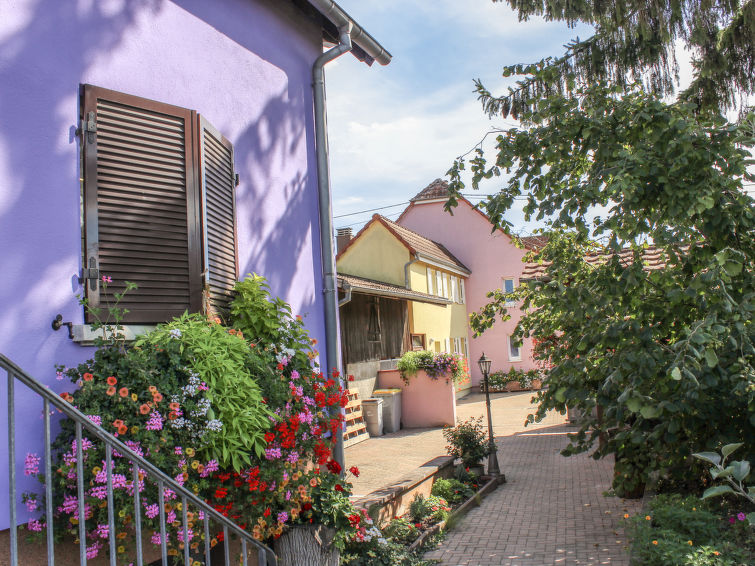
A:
x: 493, y: 469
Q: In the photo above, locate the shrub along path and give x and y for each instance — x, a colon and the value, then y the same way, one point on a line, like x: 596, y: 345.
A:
x: 551, y: 511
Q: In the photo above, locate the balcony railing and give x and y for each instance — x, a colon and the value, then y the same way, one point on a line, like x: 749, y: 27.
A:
x: 265, y: 555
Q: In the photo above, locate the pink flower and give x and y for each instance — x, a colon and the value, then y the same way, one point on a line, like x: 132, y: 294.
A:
x: 732, y: 520
x: 35, y: 525
x: 152, y: 511
x: 156, y: 538
x: 741, y: 516
x: 107, y: 279
x: 103, y: 531
x: 31, y: 464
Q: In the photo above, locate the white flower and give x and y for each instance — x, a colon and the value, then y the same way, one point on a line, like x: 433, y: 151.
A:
x: 175, y: 333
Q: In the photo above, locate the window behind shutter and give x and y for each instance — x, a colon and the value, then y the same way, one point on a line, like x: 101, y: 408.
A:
x: 141, y: 204
x: 218, y: 214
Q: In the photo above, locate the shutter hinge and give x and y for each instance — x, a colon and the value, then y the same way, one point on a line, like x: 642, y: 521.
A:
x: 91, y: 274
x: 236, y: 180
x: 88, y: 127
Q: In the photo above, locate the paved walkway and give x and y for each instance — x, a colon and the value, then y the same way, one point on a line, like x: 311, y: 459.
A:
x: 550, y: 511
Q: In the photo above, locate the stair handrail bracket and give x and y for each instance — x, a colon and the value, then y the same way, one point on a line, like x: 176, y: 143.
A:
x: 265, y: 555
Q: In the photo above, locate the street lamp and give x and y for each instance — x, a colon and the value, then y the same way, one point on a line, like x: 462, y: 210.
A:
x: 493, y: 469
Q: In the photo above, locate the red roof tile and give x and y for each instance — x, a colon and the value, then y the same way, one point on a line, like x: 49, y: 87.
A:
x: 652, y: 258
x: 437, y: 189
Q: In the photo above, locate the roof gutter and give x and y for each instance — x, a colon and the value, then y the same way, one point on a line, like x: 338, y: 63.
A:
x: 358, y: 34
x: 407, y: 265
x: 346, y: 27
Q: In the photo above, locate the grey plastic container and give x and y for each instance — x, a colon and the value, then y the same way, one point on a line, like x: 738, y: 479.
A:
x: 391, y: 408
x: 372, y: 409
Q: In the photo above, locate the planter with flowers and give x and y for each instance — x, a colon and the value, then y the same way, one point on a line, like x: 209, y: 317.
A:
x: 239, y: 414
x: 428, y: 384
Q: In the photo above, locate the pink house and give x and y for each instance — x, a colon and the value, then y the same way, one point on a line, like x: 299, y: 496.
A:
x: 492, y: 257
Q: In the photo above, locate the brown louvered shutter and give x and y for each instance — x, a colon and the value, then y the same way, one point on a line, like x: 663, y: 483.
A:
x: 141, y: 204
x: 218, y: 182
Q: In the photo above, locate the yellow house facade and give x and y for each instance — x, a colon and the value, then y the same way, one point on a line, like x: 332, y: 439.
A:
x: 386, y: 252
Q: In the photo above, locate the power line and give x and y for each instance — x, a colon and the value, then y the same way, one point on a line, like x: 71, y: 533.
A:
x: 371, y: 210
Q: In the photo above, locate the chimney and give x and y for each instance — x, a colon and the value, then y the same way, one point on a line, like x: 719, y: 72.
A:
x: 343, y: 237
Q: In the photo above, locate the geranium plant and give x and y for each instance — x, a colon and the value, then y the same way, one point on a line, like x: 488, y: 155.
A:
x: 450, y: 366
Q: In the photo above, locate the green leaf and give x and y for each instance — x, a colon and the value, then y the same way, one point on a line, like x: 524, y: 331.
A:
x: 634, y: 404
x: 729, y: 448
x: 716, y: 490
x: 740, y: 469
x: 650, y: 411
x: 710, y: 358
x: 676, y: 375
x: 711, y: 457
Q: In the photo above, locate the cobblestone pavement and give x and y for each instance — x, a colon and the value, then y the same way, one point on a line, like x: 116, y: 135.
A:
x: 551, y: 510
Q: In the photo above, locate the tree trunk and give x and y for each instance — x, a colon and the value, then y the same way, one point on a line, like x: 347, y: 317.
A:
x: 303, y: 545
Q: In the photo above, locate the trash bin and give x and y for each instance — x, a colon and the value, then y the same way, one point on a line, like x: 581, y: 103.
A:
x: 391, y: 408
x: 372, y: 409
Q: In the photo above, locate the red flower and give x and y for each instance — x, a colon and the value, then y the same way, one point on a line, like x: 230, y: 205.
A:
x: 87, y: 376
x: 354, y: 470
x: 267, y: 512
x: 269, y: 437
x: 111, y: 380
x: 338, y: 487
x: 307, y: 506
x: 354, y: 520
x: 333, y: 466
x: 221, y: 492
x: 351, y: 378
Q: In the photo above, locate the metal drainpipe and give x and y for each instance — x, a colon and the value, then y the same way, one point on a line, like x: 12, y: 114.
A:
x: 406, y: 270
x: 347, y: 298
x: 330, y: 290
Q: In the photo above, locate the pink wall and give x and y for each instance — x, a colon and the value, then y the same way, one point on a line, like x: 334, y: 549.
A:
x: 490, y: 257
x: 425, y: 402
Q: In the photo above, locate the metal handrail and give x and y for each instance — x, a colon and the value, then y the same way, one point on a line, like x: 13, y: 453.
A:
x: 265, y: 555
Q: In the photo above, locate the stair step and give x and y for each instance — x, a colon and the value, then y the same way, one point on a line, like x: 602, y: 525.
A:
x: 355, y: 428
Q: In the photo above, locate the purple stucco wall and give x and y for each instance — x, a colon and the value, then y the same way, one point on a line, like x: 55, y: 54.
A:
x: 490, y: 257
x: 244, y: 64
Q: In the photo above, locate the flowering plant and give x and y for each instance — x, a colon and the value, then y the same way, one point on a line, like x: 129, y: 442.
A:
x: 435, y: 365
x: 248, y: 425
x: 159, y: 407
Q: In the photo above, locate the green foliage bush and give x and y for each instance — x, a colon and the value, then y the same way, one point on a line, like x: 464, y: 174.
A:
x: 220, y: 359
x: 452, y: 490
x: 432, y: 509
x: 467, y: 441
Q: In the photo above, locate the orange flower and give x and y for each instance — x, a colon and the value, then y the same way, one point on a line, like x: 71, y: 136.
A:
x: 123, y: 429
x: 117, y: 423
x: 152, y: 389
x: 157, y: 397
x: 173, y: 406
x: 144, y: 409
x: 172, y: 415
x: 111, y: 380
x: 123, y: 392
x: 313, y: 482
x: 110, y: 390
x: 87, y: 376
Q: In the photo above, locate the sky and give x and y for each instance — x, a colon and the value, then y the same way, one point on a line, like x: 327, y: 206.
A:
x: 394, y: 129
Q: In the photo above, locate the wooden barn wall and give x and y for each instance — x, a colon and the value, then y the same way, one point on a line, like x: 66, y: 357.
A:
x: 358, y: 344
